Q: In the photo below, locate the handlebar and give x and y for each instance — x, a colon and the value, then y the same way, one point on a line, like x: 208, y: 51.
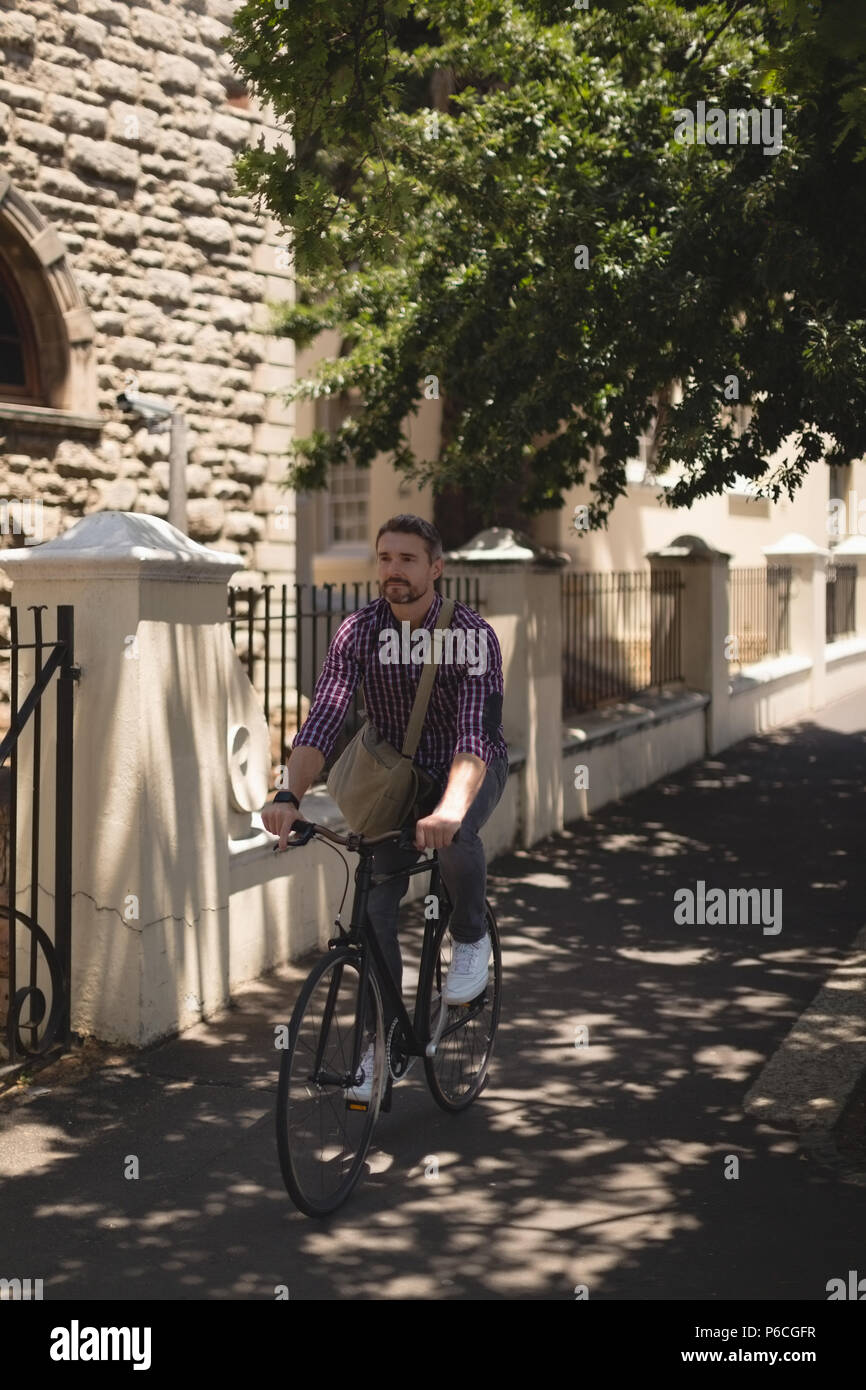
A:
x: 354, y: 842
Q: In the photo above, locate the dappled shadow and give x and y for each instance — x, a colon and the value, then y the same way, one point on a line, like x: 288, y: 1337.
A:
x: 601, y: 1164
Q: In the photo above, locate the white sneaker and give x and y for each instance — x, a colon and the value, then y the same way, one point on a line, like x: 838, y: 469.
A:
x: 364, y: 1092
x: 467, y: 975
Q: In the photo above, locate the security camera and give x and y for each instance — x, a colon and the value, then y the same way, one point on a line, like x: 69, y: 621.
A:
x: 146, y: 406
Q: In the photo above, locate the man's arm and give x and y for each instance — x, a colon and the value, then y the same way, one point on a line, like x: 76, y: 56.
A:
x: 337, y: 683
x: 464, y: 782
x: 479, y: 714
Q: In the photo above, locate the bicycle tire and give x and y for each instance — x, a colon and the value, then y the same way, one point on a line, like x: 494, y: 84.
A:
x: 455, y: 1086
x: 318, y: 1185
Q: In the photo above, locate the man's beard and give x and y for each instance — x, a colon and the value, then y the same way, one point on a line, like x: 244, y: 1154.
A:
x: 398, y: 593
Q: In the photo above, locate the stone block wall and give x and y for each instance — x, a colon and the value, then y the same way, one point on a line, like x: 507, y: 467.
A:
x: 118, y: 126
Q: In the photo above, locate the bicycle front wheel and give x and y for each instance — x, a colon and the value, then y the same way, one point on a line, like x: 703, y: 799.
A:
x: 457, y: 1070
x: 323, y: 1132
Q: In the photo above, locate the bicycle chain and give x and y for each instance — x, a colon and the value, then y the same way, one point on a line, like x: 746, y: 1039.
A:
x: 388, y: 1045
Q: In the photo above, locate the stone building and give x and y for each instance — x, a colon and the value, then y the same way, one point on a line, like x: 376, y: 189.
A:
x: 128, y: 261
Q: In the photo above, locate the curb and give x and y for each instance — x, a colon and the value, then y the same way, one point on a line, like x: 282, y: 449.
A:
x: 811, y: 1079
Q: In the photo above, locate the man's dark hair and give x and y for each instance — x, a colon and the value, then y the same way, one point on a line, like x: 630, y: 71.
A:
x: 407, y: 524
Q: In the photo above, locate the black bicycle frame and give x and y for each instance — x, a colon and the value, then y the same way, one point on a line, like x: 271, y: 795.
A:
x: 361, y: 932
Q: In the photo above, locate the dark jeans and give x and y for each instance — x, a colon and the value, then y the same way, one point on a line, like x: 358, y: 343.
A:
x: 464, y: 872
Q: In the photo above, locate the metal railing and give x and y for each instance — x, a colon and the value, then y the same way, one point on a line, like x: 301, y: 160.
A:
x: 841, y: 601
x: 282, y: 633
x: 35, y: 963
x: 622, y: 634
x: 760, y: 613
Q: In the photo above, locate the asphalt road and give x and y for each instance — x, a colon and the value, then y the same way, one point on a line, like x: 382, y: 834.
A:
x: 601, y: 1165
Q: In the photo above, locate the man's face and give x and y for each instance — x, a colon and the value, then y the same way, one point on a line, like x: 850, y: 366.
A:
x: 404, y: 571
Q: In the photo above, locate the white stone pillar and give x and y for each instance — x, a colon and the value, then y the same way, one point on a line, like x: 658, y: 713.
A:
x: 808, y: 563
x: 705, y: 622
x: 151, y: 798
x: 521, y: 599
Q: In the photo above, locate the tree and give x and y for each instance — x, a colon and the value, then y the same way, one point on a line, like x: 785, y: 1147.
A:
x: 490, y: 199
x: 821, y: 47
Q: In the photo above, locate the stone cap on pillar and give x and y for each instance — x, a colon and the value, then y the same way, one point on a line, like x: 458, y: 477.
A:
x: 501, y: 545
x: 121, y: 545
x: 795, y: 546
x: 689, y: 548
x: 854, y: 546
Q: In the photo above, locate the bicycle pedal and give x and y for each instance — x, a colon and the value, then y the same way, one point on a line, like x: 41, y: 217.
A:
x: 357, y: 1105
x: 470, y: 1003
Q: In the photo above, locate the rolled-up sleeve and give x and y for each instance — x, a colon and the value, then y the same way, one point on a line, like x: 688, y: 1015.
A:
x: 337, y: 683
x: 479, y: 704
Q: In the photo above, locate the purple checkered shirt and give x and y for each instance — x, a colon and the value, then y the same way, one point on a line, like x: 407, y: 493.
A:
x: 465, y: 710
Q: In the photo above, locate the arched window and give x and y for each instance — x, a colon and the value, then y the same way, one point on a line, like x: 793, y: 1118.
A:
x: 19, y: 374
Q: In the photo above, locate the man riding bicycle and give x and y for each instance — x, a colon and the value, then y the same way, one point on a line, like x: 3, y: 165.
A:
x: 462, y: 744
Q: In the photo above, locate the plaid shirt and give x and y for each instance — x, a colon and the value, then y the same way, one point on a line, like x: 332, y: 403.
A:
x: 465, y: 710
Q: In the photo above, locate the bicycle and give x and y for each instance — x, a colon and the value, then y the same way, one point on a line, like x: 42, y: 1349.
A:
x: 323, y: 1132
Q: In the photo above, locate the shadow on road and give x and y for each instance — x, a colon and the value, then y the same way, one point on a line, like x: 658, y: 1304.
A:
x: 597, y: 1159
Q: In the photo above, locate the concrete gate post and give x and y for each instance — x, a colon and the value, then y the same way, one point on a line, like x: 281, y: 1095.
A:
x: 151, y: 795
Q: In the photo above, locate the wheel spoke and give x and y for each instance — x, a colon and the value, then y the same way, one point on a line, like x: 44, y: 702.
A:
x: 457, y: 1070
x: 322, y: 1144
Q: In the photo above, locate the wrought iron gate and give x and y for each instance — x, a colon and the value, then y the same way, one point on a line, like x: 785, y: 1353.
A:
x: 35, y: 1026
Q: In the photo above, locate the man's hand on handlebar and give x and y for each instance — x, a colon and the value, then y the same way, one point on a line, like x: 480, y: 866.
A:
x: 281, y: 818
x: 436, y: 831
x: 278, y: 818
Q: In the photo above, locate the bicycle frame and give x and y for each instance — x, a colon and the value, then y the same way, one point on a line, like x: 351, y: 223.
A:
x: 361, y: 937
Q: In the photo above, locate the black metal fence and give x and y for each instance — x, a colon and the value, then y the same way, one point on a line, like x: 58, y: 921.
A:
x: 30, y: 1025
x: 841, y: 601
x: 282, y: 633
x: 622, y: 634
x: 760, y: 613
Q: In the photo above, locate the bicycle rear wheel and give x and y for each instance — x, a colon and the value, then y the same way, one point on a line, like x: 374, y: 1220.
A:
x: 323, y: 1133
x: 457, y: 1071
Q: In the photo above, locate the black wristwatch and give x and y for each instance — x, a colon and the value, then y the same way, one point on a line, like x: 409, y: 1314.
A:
x: 288, y: 796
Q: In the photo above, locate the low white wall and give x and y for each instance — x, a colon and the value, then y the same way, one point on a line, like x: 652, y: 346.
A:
x: 775, y: 692
x: 628, y: 748
x: 768, y: 694
x: 846, y: 667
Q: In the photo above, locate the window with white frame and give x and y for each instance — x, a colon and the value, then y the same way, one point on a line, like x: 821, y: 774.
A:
x: 349, y: 503
x: 346, y: 519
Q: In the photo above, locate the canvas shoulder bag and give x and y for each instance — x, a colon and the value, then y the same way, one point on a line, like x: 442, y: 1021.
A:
x: 374, y: 785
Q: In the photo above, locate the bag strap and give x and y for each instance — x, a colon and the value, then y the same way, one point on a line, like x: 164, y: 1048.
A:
x: 425, y: 689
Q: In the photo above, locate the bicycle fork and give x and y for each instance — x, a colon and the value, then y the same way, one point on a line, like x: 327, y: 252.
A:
x: 320, y: 1076
x: 361, y: 1004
